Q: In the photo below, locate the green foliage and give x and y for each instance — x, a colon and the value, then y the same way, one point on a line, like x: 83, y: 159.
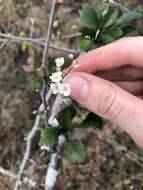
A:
x: 86, y: 17
x: 25, y: 45
x: 49, y: 136
x: 111, y: 35
x: 66, y: 116
x: 35, y: 81
x: 75, y: 152
x: 91, y: 122
x: 103, y: 24
x: 128, y: 17
x: 85, y: 44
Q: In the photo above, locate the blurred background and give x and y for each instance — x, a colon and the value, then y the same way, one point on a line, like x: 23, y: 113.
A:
x: 115, y: 162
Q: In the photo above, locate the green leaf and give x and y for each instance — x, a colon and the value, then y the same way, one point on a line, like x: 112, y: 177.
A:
x: 66, y: 116
x: 111, y: 18
x: 91, y: 121
x: 75, y: 152
x: 128, y: 17
x: 111, y: 35
x: 35, y: 81
x: 49, y: 136
x: 101, y: 10
x: 88, y: 32
x: 85, y: 44
x: 88, y: 17
x: 128, y: 31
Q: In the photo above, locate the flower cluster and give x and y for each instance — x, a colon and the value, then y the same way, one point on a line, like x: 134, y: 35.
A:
x: 57, y: 87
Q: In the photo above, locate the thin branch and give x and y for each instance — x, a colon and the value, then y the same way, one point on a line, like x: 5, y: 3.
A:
x: 49, y: 33
x: 44, y: 64
x: 66, y: 50
x: 4, y: 44
x: 29, y: 138
x: 55, y: 163
x: 70, y: 36
x: 37, y: 41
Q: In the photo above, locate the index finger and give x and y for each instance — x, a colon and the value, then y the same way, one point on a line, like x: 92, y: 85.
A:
x: 126, y: 51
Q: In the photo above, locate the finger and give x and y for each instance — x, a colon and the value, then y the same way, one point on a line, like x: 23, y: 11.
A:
x: 122, y: 74
x: 123, y: 52
x: 108, y: 101
x: 134, y: 87
x: 60, y: 1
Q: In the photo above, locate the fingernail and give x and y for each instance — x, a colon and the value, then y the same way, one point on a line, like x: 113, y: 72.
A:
x: 79, y: 86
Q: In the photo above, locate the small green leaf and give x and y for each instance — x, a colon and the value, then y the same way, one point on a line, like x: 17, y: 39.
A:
x: 88, y: 17
x: 128, y: 17
x: 22, y: 34
x: 66, y: 116
x: 91, y: 121
x: 111, y: 35
x: 101, y: 10
x: 112, y: 18
x: 75, y: 152
x: 49, y: 136
x: 85, y: 44
x: 25, y: 45
x: 35, y: 81
x: 128, y: 31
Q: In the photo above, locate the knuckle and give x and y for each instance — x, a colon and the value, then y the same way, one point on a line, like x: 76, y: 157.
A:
x: 108, y: 102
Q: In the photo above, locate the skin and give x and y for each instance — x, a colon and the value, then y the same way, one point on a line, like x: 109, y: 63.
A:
x: 109, y: 80
x: 60, y: 1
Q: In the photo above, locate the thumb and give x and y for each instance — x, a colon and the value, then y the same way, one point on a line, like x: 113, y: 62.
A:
x: 108, y: 101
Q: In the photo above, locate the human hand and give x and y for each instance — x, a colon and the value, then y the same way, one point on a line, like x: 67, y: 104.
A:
x: 107, y: 81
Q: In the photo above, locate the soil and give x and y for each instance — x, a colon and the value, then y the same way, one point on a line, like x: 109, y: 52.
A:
x: 115, y: 163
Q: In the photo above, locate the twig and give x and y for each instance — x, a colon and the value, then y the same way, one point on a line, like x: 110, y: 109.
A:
x: 29, y: 138
x: 58, y: 105
x: 4, y: 44
x: 70, y: 36
x: 37, y: 41
x: 66, y: 50
x: 45, y: 56
x: 55, y: 163
x: 25, y: 180
x: 49, y: 34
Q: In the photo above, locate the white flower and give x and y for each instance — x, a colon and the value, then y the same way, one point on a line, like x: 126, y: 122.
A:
x: 71, y: 56
x: 64, y: 89
x: 56, y: 77
x: 44, y: 147
x: 56, y: 23
x: 60, y: 88
x: 60, y: 62
x: 54, y: 88
x: 53, y: 122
